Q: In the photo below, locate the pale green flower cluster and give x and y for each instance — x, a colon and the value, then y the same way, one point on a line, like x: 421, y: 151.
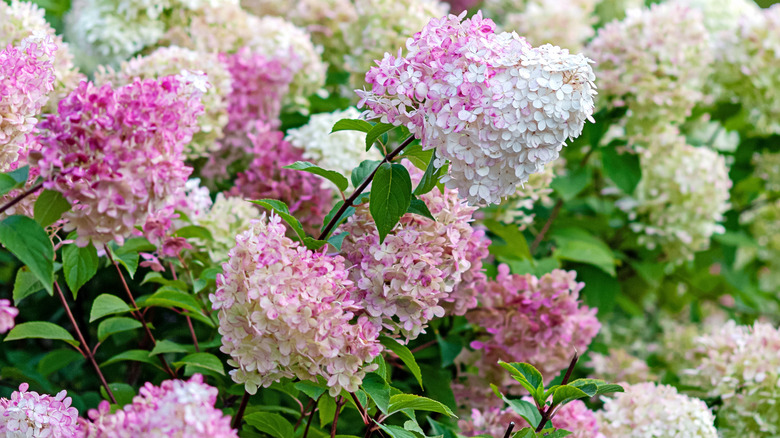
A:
x: 722, y: 15
x: 226, y: 218
x: 171, y: 61
x: 564, y: 23
x: 681, y: 198
x: 763, y: 221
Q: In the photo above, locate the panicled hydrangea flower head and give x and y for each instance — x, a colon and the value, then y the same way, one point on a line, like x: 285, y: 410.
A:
x: 722, y: 15
x: 534, y: 320
x: 496, y: 108
x: 116, y: 155
x: 655, y: 62
x: 228, y: 217
x: 20, y: 20
x: 307, y: 196
x: 341, y: 151
x: 748, y: 62
x: 383, y: 26
x: 565, y: 23
x: 647, y: 410
x: 176, y: 408
x: 681, y: 198
x: 422, y: 269
x: 619, y: 366
x: 7, y: 315
x: 741, y: 365
x: 167, y: 61
x: 287, y: 312
x: 574, y: 417
x: 26, y: 80
x: 28, y: 414
x: 227, y: 28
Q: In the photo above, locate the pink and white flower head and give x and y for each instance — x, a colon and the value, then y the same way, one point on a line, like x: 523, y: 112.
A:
x: 422, y: 269
x: 7, y: 315
x: 176, y: 408
x: 26, y: 80
x: 536, y: 320
x: 574, y: 417
x: 286, y: 312
x: 498, y: 109
x: 117, y: 154
x: 28, y: 414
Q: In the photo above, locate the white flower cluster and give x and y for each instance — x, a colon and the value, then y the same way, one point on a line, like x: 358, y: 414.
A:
x: 722, y: 15
x: 382, y: 27
x: 173, y: 60
x: 647, y: 410
x: 681, y: 198
x: 748, y: 66
x: 341, y: 151
x: 655, y: 63
x: 565, y: 23
x: 741, y: 365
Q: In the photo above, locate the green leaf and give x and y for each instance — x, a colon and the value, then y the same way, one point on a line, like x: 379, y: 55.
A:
x: 123, y: 392
x: 202, y: 360
x: 608, y: 388
x: 570, y: 185
x: 49, y: 207
x: 337, y: 240
x: 194, y: 232
x: 327, y: 409
x: 378, y: 389
x: 26, y: 284
x: 417, y: 156
x: 360, y: 173
x: 57, y: 360
x: 134, y: 356
x: 417, y: 206
x: 567, y: 393
x: 601, y: 290
x: 331, y: 175
x: 376, y: 131
x: 107, y: 304
x: 313, y: 244
x: 449, y: 350
x: 515, y: 245
x: 391, y: 194
x: 272, y: 424
x: 525, y: 409
x: 283, y: 211
x: 79, y: 265
x: 13, y: 180
x: 588, y: 253
x: 400, y: 402
x: 526, y: 374
x: 313, y: 390
x: 170, y: 298
x: 166, y: 346
x: 351, y: 125
x: 128, y: 259
x: 430, y: 177
x: 40, y: 330
x: 405, y: 355
x: 135, y: 245
x: 399, y: 432
x: 25, y: 239
x: 623, y: 169
x: 115, y: 325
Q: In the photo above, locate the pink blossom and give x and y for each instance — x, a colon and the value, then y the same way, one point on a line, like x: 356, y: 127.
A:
x: 116, y: 155
x: 29, y: 414
x: 176, y: 408
x: 574, y: 417
x: 7, y: 315
x: 287, y: 312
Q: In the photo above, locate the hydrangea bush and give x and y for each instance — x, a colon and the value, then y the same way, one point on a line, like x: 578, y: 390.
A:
x: 345, y: 218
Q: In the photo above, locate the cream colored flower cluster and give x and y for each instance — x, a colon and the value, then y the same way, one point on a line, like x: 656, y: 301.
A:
x: 564, y: 23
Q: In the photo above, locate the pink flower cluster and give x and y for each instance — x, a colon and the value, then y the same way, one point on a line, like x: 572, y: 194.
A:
x: 574, y: 417
x: 26, y: 79
x: 176, y: 408
x: 421, y: 268
x: 7, y: 315
x: 308, y: 198
x: 116, y: 155
x: 534, y: 320
x: 286, y: 312
x: 32, y: 415
x: 498, y: 109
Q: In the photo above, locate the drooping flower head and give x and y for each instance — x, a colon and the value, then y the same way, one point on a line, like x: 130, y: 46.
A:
x: 7, y: 315
x: 26, y: 80
x: 647, y: 410
x: 28, y: 414
x: 495, y: 107
x: 167, y: 61
x: 308, y: 197
x: 422, y: 269
x: 341, y: 151
x: 574, y: 417
x: 287, y: 312
x: 117, y: 155
x: 176, y: 408
x: 534, y: 320
x: 655, y: 62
